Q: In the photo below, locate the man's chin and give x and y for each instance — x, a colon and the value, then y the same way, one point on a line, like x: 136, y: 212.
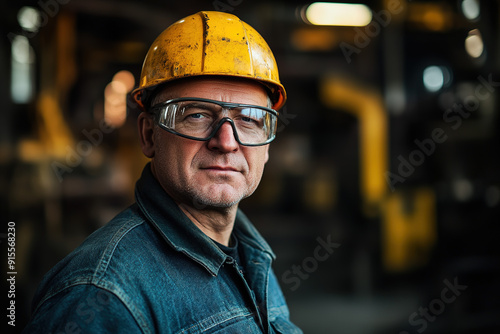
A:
x: 212, y: 201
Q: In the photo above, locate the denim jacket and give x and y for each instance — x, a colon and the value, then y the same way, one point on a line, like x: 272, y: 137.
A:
x: 151, y: 270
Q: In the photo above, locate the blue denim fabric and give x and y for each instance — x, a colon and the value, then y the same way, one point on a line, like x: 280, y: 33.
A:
x: 151, y: 270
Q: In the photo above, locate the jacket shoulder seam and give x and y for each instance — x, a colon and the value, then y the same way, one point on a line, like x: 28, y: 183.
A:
x: 108, y: 252
x: 109, y: 287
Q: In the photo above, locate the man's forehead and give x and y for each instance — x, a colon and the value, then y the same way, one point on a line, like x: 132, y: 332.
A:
x: 191, y: 85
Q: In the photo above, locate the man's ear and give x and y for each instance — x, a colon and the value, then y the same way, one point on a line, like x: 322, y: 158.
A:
x: 146, y: 125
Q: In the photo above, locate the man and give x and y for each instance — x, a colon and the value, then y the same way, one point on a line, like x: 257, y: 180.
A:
x: 183, y: 258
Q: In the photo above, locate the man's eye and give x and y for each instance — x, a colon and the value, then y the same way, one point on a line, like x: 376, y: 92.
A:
x: 249, y: 122
x: 196, y: 115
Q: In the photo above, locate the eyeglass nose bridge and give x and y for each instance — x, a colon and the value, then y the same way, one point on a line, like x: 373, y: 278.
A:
x: 218, y: 126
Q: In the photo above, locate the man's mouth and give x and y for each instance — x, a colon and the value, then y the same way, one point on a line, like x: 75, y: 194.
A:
x: 220, y: 168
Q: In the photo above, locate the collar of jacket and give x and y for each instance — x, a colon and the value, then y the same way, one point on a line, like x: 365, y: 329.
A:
x: 181, y: 233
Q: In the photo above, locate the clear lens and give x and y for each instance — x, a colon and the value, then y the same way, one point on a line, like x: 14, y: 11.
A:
x: 200, y: 119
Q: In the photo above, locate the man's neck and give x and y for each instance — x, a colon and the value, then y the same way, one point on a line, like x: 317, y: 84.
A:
x: 216, y: 224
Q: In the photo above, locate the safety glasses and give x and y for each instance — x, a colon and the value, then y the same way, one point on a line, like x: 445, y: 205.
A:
x: 200, y: 119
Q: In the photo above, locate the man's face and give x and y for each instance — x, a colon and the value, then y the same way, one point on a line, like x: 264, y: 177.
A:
x: 216, y: 173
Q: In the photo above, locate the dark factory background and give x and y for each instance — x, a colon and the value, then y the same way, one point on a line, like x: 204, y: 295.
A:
x: 381, y: 199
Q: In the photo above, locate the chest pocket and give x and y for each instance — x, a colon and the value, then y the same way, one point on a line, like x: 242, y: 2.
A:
x: 234, y: 321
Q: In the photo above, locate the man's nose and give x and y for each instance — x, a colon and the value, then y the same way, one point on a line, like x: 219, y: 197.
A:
x: 224, y: 139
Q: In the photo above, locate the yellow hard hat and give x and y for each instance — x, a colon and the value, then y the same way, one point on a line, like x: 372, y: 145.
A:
x: 210, y: 43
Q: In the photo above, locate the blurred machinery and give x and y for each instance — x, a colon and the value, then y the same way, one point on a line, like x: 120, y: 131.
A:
x: 388, y: 144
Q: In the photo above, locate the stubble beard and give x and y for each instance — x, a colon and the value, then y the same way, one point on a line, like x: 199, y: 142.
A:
x: 203, y: 201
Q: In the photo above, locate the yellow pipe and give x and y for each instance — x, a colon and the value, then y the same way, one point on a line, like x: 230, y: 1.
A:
x: 367, y: 105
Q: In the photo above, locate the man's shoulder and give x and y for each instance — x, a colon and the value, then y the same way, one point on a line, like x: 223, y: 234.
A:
x: 100, y: 247
x: 90, y: 263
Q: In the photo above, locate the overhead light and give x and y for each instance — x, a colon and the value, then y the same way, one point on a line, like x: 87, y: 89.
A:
x: 29, y: 19
x: 474, y: 44
x: 338, y: 14
x: 471, y: 9
x: 436, y: 77
x: 22, y: 70
x: 115, y: 98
